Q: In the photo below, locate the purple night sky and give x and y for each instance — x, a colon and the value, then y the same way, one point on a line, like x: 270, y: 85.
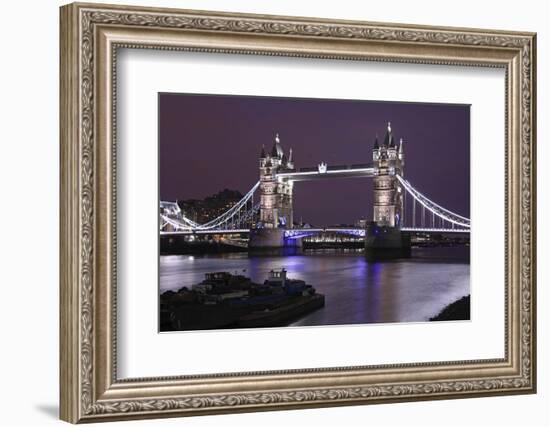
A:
x: 212, y: 142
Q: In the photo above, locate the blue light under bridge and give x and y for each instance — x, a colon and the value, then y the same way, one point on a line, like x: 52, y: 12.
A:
x: 299, y: 233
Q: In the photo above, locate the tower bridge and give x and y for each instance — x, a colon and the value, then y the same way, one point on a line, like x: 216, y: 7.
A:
x: 270, y: 222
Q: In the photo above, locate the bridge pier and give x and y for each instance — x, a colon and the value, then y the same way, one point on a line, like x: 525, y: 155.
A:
x: 271, y: 238
x: 382, y: 242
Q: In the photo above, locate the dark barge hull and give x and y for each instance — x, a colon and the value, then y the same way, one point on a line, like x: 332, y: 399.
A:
x: 282, y: 315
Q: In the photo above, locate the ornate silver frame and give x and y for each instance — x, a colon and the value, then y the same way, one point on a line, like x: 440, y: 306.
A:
x: 90, y: 36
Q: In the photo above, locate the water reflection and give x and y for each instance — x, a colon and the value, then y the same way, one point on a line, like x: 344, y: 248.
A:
x: 356, y: 291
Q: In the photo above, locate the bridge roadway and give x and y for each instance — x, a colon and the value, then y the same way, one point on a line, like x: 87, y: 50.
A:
x: 304, y: 232
x: 309, y: 174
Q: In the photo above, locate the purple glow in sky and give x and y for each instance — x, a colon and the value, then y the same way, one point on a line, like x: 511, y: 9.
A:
x: 211, y: 142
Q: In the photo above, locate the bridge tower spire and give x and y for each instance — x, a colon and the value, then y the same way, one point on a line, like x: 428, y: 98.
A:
x: 388, y: 161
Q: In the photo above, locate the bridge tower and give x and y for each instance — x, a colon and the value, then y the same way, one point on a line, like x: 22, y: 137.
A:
x: 388, y: 161
x: 383, y: 237
x: 276, y: 210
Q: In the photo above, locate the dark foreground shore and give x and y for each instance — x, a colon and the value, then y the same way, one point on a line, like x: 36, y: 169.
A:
x: 458, y: 310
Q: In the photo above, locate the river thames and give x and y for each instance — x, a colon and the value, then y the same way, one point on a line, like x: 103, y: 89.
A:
x: 356, y: 290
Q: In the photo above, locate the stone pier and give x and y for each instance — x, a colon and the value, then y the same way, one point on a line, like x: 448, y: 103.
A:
x: 382, y: 242
x: 271, y: 238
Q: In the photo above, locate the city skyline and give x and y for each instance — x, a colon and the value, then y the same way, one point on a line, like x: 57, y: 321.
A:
x: 211, y: 142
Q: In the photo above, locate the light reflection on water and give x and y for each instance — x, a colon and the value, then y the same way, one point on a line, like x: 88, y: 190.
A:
x: 356, y: 291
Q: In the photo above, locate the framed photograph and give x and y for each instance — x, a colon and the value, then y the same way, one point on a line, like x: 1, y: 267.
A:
x: 266, y: 212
